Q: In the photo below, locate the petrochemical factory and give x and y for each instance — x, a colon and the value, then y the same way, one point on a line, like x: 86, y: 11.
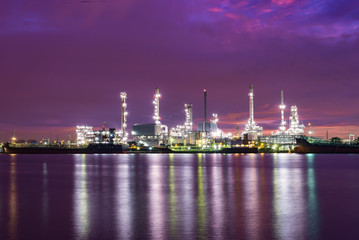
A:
x: 207, y: 136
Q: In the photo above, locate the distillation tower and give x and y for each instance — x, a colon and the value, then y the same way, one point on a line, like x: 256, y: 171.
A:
x: 252, y: 129
x: 156, y: 103
x: 151, y: 134
x: 285, y: 139
x: 282, y: 107
x: 294, y: 127
x: 182, y: 131
x: 123, y: 134
x: 188, y: 125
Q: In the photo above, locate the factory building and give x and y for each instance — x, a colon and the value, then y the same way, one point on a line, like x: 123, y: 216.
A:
x: 207, y: 135
x: 285, y: 139
x: 147, y: 134
x: 86, y: 134
x: 151, y: 134
x: 184, y: 134
x: 209, y: 129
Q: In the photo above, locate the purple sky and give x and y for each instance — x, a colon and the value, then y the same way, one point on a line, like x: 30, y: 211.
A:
x: 65, y: 62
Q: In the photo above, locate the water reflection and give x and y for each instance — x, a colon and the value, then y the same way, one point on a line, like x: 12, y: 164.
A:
x: 156, y: 199
x: 187, y: 196
x: 201, y: 200
x: 251, y: 199
x: 288, y: 199
x: 217, y: 198
x: 81, y: 198
x: 172, y: 201
x: 13, y: 200
x: 313, y: 209
x: 124, y: 199
x: 45, y: 197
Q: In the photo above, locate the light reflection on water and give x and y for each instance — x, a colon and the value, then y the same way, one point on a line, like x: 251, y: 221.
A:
x: 312, y: 202
x: 13, y: 200
x: 81, y: 198
x: 172, y: 201
x: 289, y: 200
x: 124, y: 200
x: 186, y: 196
x: 174, y: 196
x: 201, y: 200
x: 217, y: 198
x: 156, y: 199
x: 251, y: 199
x: 45, y: 196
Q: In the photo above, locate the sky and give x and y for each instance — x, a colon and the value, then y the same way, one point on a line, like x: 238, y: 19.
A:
x: 64, y: 63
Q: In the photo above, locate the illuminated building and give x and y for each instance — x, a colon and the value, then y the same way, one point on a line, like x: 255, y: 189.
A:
x: 295, y: 129
x: 283, y: 139
x: 184, y: 134
x: 184, y: 130
x: 208, y: 129
x: 152, y: 134
x: 85, y: 135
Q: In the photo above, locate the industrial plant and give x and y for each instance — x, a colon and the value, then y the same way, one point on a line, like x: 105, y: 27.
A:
x: 207, y: 136
x: 86, y: 135
x: 155, y: 136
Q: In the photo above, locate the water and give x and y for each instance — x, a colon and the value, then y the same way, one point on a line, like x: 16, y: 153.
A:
x: 179, y: 196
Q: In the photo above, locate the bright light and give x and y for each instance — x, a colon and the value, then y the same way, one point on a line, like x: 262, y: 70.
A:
x: 156, y: 102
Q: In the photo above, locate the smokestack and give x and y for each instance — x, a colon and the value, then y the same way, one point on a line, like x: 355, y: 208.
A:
x: 205, y: 105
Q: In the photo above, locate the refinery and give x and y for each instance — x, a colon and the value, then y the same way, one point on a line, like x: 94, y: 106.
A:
x: 157, y: 137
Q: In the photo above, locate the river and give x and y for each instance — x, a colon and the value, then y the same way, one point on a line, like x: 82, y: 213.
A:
x: 179, y: 196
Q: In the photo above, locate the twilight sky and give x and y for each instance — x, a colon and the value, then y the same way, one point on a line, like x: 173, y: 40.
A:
x: 65, y: 62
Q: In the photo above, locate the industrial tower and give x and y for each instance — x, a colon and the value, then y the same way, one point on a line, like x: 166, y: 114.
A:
x: 205, y: 104
x: 123, y: 133
x: 252, y: 129
x: 294, y: 127
x: 188, y: 125
x: 282, y: 107
x: 156, y: 103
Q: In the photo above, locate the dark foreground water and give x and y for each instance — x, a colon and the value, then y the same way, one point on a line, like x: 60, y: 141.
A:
x: 187, y: 196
